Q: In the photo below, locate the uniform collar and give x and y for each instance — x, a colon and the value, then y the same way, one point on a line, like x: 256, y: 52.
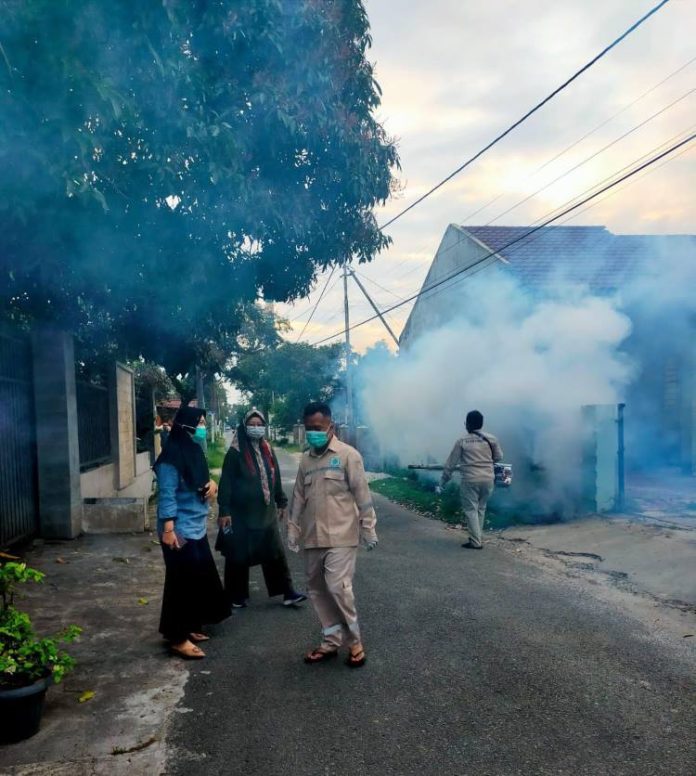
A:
x: 333, y: 447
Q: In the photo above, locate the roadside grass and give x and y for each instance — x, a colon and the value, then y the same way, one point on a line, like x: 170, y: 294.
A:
x: 409, y: 494
x: 420, y: 497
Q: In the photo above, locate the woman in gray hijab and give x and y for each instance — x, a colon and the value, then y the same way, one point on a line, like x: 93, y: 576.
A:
x: 251, y: 503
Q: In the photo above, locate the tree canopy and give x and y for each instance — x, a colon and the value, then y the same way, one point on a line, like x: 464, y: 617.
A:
x: 163, y: 164
x: 285, y: 379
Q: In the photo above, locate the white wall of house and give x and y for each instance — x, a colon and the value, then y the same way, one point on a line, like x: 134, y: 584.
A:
x: 458, y: 250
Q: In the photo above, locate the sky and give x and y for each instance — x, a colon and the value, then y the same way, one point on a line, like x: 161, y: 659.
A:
x: 455, y: 73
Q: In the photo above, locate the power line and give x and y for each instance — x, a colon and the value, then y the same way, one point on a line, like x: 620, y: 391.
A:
x: 578, y: 213
x: 589, y: 133
x: 592, y: 156
x: 617, y: 191
x: 574, y: 198
x: 569, y: 207
x: 653, y: 150
x: 618, y: 113
x: 575, y: 167
x: 513, y: 126
x: 524, y: 236
x: 321, y: 296
x: 527, y: 115
x: 573, y: 145
x: 375, y: 283
x: 565, y: 206
x: 301, y: 315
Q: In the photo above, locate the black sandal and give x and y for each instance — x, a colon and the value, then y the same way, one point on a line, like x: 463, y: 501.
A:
x: 356, y: 660
x: 320, y: 655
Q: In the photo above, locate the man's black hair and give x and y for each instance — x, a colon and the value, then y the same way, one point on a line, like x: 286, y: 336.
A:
x: 317, y: 406
x: 474, y: 421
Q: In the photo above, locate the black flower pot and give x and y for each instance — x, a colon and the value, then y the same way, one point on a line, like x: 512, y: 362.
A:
x: 20, y: 711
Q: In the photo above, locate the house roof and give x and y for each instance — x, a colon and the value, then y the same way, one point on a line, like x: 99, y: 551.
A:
x: 590, y: 255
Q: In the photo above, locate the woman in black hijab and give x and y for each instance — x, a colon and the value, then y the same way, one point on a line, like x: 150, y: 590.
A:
x: 193, y: 594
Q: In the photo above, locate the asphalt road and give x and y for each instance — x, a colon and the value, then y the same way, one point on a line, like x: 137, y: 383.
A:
x: 478, y: 664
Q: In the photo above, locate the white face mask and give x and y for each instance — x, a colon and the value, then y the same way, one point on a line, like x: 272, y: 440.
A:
x: 256, y: 432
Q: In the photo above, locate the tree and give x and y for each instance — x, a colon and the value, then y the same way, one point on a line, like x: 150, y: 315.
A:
x: 285, y: 379
x: 166, y: 163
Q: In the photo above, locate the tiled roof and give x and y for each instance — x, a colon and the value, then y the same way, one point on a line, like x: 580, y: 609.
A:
x: 589, y: 255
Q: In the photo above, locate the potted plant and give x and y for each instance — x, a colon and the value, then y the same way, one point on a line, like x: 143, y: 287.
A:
x: 28, y: 664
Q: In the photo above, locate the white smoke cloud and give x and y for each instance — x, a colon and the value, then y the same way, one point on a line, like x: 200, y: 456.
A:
x: 528, y: 365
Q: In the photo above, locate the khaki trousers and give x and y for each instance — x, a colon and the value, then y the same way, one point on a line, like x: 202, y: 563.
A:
x: 330, y: 589
x: 475, y: 497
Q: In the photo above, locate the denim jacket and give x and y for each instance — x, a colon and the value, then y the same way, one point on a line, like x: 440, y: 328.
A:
x: 179, y: 503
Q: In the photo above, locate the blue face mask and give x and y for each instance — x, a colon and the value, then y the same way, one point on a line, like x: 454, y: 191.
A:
x: 200, y: 434
x: 317, y: 438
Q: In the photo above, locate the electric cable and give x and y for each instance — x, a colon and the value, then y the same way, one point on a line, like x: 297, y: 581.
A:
x: 592, y: 156
x: 572, y: 199
x: 517, y: 123
x: 618, y: 113
x: 528, y: 233
x: 591, y: 132
x: 575, y: 167
x: 564, y: 207
x: 527, y: 115
x: 596, y: 202
x: 378, y: 285
x: 301, y: 315
x: 321, y: 296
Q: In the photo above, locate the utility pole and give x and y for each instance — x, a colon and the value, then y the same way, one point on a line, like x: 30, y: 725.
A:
x: 349, y: 375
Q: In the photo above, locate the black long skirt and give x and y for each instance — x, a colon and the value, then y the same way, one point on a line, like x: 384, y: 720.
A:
x: 193, y: 594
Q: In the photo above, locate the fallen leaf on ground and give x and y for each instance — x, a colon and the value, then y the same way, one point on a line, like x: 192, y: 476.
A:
x: 688, y: 636
x: 86, y: 696
x: 120, y: 560
x: 143, y: 601
x: 61, y: 560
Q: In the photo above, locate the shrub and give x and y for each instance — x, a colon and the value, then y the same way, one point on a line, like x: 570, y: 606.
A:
x: 24, y: 657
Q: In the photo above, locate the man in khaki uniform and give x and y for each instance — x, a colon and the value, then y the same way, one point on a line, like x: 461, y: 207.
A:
x: 331, y: 513
x: 473, y: 457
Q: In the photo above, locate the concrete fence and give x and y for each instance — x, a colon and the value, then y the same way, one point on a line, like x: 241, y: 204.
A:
x: 110, y: 497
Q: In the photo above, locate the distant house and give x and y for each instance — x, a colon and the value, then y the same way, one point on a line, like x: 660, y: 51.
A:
x: 602, y: 262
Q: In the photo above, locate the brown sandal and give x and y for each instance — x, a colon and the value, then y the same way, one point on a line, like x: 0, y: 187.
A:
x: 320, y: 655
x: 356, y: 659
x: 187, y: 651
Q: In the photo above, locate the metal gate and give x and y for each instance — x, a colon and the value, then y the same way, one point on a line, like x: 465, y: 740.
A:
x: 18, y: 477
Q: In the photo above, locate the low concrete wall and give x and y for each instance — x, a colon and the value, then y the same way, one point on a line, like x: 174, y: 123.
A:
x: 99, y: 482
x: 114, y: 515
x: 106, y: 510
